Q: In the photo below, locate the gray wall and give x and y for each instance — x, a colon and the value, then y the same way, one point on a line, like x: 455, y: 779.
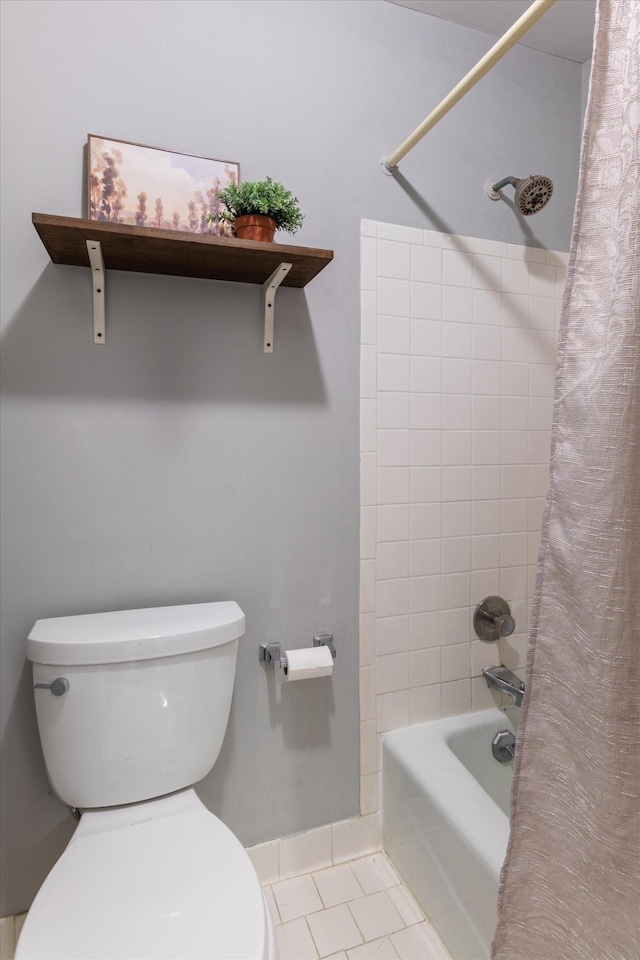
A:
x: 586, y: 74
x: 178, y: 463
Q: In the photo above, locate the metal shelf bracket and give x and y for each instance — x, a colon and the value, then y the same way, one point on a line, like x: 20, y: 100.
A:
x: 98, y: 281
x: 269, y: 288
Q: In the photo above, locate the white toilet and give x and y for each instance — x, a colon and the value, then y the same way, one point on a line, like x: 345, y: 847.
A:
x: 132, y: 710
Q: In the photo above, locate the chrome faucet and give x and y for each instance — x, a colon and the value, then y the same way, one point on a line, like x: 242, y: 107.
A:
x: 504, y: 680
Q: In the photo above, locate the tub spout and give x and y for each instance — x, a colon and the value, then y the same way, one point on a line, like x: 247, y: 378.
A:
x: 502, y: 679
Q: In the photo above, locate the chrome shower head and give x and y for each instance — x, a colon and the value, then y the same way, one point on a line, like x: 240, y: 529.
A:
x: 532, y: 192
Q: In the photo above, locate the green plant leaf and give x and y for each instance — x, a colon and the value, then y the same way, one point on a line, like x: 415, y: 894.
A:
x: 267, y: 197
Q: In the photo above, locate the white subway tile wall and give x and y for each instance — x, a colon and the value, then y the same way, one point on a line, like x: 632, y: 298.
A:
x: 458, y: 340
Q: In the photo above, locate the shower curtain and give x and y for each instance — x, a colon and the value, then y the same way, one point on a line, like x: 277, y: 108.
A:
x: 570, y: 885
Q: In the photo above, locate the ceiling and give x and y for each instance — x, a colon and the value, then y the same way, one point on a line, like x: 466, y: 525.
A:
x: 566, y: 30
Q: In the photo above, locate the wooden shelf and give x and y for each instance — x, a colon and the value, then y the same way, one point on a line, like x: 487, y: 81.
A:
x: 148, y: 250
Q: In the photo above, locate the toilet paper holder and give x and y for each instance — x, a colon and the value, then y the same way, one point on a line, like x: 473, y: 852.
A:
x: 272, y: 652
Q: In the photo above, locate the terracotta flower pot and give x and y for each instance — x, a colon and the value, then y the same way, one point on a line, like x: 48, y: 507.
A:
x: 255, y: 226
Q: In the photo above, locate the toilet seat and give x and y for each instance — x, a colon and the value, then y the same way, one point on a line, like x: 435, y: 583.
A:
x: 160, y: 879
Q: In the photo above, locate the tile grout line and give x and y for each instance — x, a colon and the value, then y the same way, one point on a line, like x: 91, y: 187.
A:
x: 417, y: 916
x: 313, y: 939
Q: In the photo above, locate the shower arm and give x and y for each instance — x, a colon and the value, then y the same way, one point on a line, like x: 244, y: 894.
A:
x: 502, y: 183
x: 497, y: 51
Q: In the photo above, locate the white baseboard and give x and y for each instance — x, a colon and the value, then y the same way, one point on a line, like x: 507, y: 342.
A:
x: 316, y: 849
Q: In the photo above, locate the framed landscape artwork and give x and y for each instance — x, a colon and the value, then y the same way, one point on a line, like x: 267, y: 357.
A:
x: 149, y: 187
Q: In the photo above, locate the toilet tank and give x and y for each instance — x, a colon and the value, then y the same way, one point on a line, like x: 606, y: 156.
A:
x: 146, y: 701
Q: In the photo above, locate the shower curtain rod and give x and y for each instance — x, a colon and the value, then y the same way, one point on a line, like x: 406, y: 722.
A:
x: 497, y: 51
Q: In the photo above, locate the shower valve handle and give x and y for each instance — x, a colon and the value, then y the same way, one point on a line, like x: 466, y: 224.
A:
x: 492, y: 619
x: 504, y: 624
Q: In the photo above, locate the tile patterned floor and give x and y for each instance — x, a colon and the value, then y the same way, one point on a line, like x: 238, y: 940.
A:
x: 358, y: 910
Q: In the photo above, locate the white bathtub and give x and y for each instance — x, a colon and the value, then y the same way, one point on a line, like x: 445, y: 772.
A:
x: 445, y: 809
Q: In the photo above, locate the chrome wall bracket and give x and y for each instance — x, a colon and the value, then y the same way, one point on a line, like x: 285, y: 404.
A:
x: 325, y: 640
x: 272, y: 652
x: 98, y: 281
x: 269, y: 288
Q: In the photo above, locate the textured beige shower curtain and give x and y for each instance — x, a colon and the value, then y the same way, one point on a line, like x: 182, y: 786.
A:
x: 570, y: 886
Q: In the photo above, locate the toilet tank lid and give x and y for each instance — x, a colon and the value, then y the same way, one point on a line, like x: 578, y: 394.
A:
x: 126, y: 635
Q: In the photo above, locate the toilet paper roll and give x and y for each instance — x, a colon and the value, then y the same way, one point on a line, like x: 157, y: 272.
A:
x: 307, y: 663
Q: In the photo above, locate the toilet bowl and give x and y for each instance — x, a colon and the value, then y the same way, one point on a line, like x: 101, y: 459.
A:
x: 132, y: 707
x: 161, y: 879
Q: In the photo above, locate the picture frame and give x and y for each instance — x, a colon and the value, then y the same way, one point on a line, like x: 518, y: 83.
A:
x: 135, y: 184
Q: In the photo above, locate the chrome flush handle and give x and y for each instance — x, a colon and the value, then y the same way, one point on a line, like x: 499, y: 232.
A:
x: 58, y: 687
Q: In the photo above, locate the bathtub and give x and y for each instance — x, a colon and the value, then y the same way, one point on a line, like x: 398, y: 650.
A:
x: 445, y: 822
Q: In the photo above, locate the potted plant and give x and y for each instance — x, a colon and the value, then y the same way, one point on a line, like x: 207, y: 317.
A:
x: 258, y: 208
